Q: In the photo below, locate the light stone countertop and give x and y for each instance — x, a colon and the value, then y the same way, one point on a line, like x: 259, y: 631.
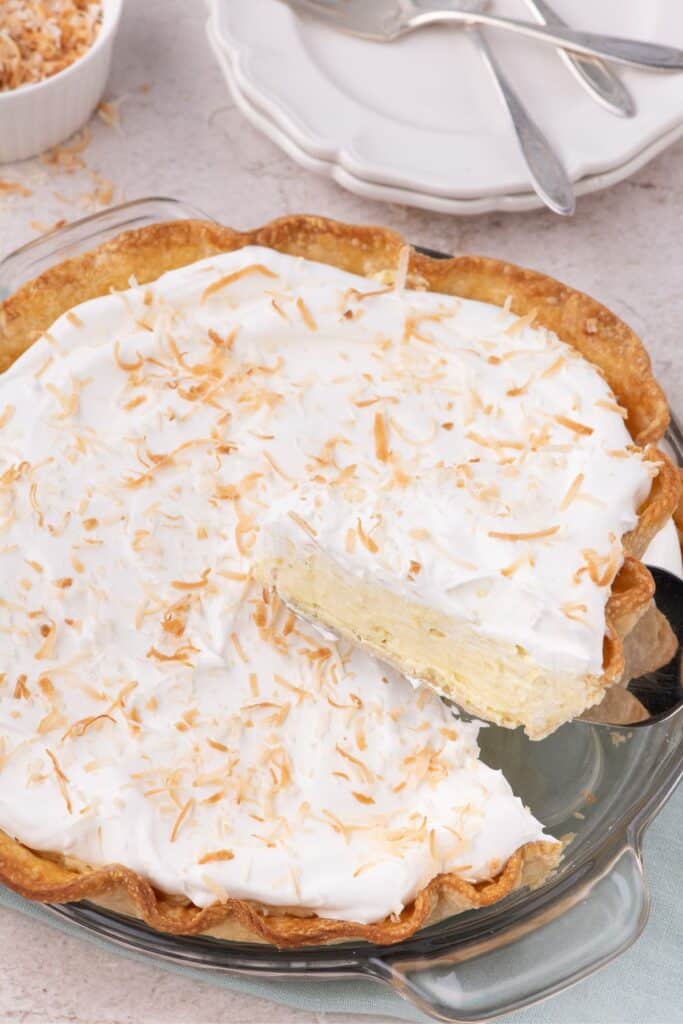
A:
x: 182, y: 136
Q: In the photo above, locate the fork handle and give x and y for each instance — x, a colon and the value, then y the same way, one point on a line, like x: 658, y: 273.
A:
x: 589, y: 44
x: 597, y: 78
x: 548, y: 176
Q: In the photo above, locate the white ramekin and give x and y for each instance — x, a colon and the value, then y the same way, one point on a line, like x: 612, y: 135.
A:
x: 35, y: 117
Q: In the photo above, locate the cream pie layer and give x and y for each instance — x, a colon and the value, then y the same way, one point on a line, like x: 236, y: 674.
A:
x: 157, y: 707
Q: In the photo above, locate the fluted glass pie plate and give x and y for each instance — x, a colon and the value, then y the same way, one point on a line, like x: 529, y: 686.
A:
x: 601, y: 786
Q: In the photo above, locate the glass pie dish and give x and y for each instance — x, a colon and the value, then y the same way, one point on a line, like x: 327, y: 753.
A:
x: 598, y: 785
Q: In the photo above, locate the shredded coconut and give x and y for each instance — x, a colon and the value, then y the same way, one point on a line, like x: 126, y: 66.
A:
x: 40, y: 38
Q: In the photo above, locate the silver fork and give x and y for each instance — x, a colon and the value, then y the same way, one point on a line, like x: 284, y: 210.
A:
x: 597, y: 79
x: 384, y: 20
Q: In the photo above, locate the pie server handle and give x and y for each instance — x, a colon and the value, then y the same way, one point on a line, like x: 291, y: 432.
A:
x: 546, y: 170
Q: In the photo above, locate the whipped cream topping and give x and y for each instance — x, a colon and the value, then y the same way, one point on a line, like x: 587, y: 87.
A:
x: 483, y: 468
x: 160, y: 709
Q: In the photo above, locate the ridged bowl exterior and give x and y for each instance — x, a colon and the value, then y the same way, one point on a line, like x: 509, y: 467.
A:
x: 36, y: 117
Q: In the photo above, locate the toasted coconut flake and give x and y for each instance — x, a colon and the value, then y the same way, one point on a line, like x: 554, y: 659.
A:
x: 237, y: 577
x: 278, y: 469
x: 521, y: 322
x: 601, y: 568
x: 298, y: 690
x: 574, y: 610
x: 47, y: 648
x: 53, y: 720
x: 62, y: 780
x: 79, y: 728
x: 235, y: 640
x: 554, y: 367
x: 493, y: 442
x: 33, y: 498
x: 401, y: 277
x: 14, y: 188
x: 181, y: 654
x: 21, y: 690
x: 134, y: 403
x: 366, y: 540
x: 338, y: 826
x: 216, y: 855
x: 572, y: 492
x: 245, y: 528
x: 193, y: 584
x: 520, y: 390
x: 279, y: 310
x: 413, y: 322
x: 532, y: 535
x: 228, y: 279
x: 173, y: 624
x: 186, y: 808
x: 6, y: 415
x: 224, y: 343
x: 512, y: 568
x: 306, y: 314
x: 215, y: 745
x: 415, y: 441
x: 573, y: 425
x: 127, y: 367
x: 381, y: 437
x: 346, y: 475
x: 68, y: 403
x: 302, y: 523
x: 612, y: 407
x: 362, y: 798
x: 365, y: 772
x: 108, y: 112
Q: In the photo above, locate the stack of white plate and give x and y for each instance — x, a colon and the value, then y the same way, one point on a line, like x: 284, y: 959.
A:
x: 418, y: 121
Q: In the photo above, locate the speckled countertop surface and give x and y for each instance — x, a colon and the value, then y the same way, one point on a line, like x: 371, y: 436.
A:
x: 181, y: 136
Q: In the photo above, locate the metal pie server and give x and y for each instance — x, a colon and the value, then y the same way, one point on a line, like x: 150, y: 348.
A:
x: 385, y: 20
x: 658, y: 695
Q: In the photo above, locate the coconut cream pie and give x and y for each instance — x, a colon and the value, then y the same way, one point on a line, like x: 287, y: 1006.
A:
x: 169, y: 727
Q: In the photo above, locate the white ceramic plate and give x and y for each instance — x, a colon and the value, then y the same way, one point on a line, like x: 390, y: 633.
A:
x: 408, y: 197
x: 419, y: 119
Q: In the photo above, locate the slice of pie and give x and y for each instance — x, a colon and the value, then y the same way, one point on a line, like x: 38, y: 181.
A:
x: 169, y: 729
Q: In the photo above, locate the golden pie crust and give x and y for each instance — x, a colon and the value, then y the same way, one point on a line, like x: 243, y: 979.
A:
x: 580, y: 321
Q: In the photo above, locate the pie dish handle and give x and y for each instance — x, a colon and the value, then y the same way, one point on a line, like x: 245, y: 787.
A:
x: 532, y: 960
x: 36, y: 256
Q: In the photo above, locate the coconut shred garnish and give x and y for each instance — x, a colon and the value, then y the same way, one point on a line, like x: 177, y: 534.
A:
x: 40, y: 38
x: 159, y: 707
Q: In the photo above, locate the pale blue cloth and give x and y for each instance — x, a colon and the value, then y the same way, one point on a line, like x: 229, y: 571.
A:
x: 644, y: 986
